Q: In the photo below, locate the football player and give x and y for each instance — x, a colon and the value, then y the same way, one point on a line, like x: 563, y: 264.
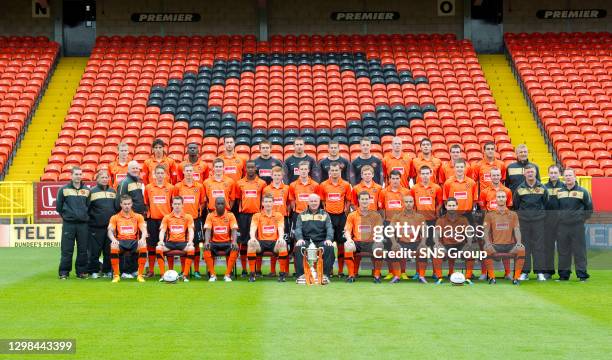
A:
x: 221, y: 234
x: 176, y: 233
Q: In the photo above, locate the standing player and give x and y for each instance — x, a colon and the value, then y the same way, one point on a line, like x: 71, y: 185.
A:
x: 101, y: 208
x: 516, y: 170
x: 365, y: 158
x: 359, y: 234
x: 300, y: 189
x: 334, y: 156
x: 157, y: 197
x: 463, y: 189
x: 368, y: 185
x: 448, y: 167
x: 158, y: 158
x: 397, y: 161
x: 575, y: 207
x: 219, y: 185
x: 502, y: 234
x: 233, y: 164
x: 293, y: 162
x: 176, y: 233
x: 194, y: 198
x: 200, y: 168
x: 280, y: 194
x: 118, y: 169
x: 416, y: 222
x: 127, y: 231
x: 72, y: 204
x: 450, y: 233
x: 391, y: 199
x: 427, y: 202
x: 250, y: 189
x: 267, y: 234
x: 553, y: 186
x: 221, y: 232
x: 482, y: 169
x: 488, y: 202
x: 530, y: 199
x: 425, y: 158
x: 336, y: 195
x: 265, y: 162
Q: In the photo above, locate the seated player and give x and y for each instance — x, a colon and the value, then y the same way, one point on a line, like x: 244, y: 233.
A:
x: 267, y: 234
x: 220, y: 235
x: 179, y: 228
x: 416, y: 225
x: 359, y: 233
x: 503, y: 235
x: 127, y: 231
x: 450, y: 233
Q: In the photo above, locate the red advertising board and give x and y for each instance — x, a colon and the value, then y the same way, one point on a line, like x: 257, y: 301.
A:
x: 46, y: 200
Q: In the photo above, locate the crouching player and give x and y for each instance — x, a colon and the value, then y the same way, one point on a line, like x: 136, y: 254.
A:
x: 503, y: 235
x: 176, y: 233
x: 450, y: 233
x: 124, y: 230
x: 414, y: 242
x: 220, y: 235
x: 359, y: 233
x: 267, y: 234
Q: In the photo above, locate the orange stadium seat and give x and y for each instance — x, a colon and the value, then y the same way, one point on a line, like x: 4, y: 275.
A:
x: 569, y: 92
x: 200, y: 89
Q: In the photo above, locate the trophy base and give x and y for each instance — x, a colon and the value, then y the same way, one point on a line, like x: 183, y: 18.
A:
x: 302, y: 280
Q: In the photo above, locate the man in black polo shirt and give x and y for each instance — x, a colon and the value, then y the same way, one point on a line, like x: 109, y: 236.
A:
x: 515, y: 172
x: 366, y: 158
x: 552, y: 220
x: 292, y: 163
x: 72, y: 205
x: 101, y: 208
x: 314, y: 224
x: 529, y: 201
x: 334, y: 156
x: 575, y: 207
x: 265, y: 162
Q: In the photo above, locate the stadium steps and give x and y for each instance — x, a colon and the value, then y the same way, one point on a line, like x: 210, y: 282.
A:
x: 39, y: 140
x: 522, y: 127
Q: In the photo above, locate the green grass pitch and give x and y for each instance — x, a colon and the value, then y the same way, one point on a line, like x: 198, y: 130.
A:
x: 202, y: 320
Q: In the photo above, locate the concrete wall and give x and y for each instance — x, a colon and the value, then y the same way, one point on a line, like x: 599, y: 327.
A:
x: 16, y: 19
x: 313, y: 17
x: 520, y: 16
x: 218, y: 17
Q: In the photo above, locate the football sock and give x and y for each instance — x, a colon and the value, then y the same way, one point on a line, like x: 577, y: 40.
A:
x: 350, y: 262
x: 340, y: 258
x: 210, y: 262
x: 152, y: 258
x: 273, y: 263
x: 243, y: 256
x: 196, y: 261
x: 160, y: 261
x: 519, y: 261
x: 231, y: 261
x: 187, y: 266
x: 252, y: 257
x: 171, y: 262
x: 490, y: 268
x: 469, y: 264
x: 258, y: 264
x: 437, y: 267
x: 114, y: 256
x: 507, y: 270
x: 142, y: 260
x: 283, y: 257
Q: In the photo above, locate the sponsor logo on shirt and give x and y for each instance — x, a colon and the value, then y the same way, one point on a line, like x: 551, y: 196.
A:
x: 493, y: 204
x: 120, y: 177
x: 265, y: 172
x: 460, y: 195
x: 394, y: 204
x: 250, y: 193
x: 218, y: 193
x: 296, y: 171
x: 177, y: 229
x: 303, y: 197
x: 189, y: 199
x: 364, y: 228
x: 230, y: 169
x: 196, y: 176
x: 269, y: 229
x: 220, y: 229
x: 127, y: 230
x: 425, y: 200
x: 502, y: 226
x: 333, y: 197
x: 159, y: 199
x: 278, y: 201
x: 487, y: 176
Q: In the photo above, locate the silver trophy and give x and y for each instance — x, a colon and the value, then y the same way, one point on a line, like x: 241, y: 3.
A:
x: 313, y: 266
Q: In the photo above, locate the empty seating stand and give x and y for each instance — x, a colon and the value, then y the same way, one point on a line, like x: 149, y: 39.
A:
x: 25, y: 64
x: 200, y: 88
x: 568, y: 79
